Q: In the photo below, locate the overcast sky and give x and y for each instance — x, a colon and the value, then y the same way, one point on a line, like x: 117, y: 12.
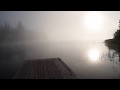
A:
x: 64, y: 25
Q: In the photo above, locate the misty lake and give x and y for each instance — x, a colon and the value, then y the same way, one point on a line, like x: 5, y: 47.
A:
x: 89, y: 60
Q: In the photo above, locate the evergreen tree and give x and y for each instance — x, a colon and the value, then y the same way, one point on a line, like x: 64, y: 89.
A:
x: 20, y: 26
x: 9, y: 34
x: 117, y: 34
x: 20, y: 31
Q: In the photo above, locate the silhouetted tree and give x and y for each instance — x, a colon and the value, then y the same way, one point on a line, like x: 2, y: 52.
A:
x: 20, y: 26
x: 117, y: 34
x: 114, y: 44
x: 4, y: 31
x: 20, y: 30
x: 10, y: 34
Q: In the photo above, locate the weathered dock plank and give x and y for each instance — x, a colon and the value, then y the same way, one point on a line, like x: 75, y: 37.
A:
x: 51, y: 68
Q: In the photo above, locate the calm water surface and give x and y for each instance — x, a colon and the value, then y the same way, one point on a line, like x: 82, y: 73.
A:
x: 89, y: 60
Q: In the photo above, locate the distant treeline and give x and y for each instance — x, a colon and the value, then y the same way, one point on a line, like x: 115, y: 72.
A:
x: 10, y: 34
x: 114, y: 44
x: 115, y: 39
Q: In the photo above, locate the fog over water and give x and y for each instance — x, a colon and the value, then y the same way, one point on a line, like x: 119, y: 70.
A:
x: 63, y: 34
x: 74, y: 54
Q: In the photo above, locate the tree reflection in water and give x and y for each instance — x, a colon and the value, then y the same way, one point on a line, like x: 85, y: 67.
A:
x: 113, y: 53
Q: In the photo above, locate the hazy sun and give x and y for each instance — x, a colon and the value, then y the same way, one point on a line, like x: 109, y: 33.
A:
x: 93, y: 20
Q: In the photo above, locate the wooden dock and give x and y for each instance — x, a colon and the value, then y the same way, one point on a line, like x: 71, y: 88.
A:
x: 51, y: 68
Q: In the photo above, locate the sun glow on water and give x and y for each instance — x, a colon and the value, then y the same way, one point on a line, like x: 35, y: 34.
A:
x: 93, y: 55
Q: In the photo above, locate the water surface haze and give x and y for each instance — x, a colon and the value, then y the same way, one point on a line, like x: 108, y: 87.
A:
x: 89, y: 60
x: 77, y: 37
